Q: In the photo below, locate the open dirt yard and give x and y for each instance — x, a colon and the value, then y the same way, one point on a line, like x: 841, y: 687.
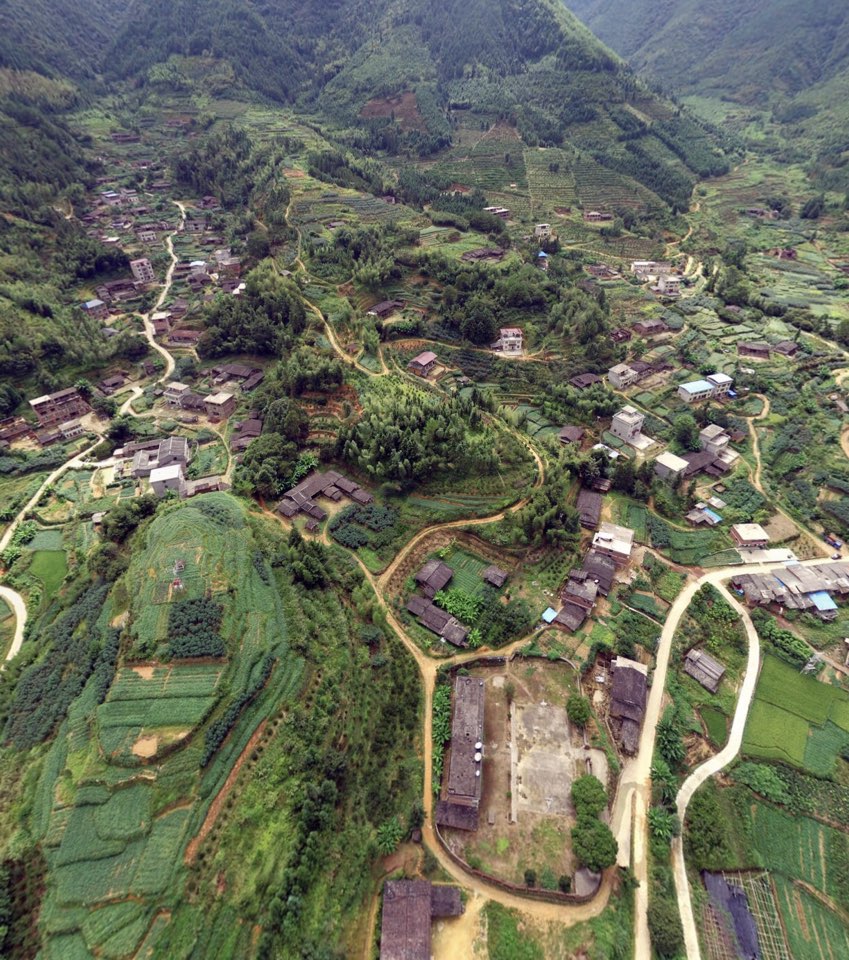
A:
x: 531, y: 758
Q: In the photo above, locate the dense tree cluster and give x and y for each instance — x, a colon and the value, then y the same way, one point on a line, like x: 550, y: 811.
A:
x: 194, y: 629
x: 73, y: 647
x: 229, y: 166
x: 266, y: 319
x: 409, y: 435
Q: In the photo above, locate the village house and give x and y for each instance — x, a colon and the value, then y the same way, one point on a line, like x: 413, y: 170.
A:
x: 721, y: 384
x: 601, y: 570
x: 438, y: 621
x: 71, y: 429
x: 433, y: 577
x: 628, y: 694
x: 96, y: 309
x: 161, y: 321
x: 596, y: 216
x: 622, y: 376
x: 571, y: 434
x: 219, y: 406
x: 647, y: 269
x: 716, y: 385
x: 787, y: 348
x: 589, y: 508
x: 385, y: 309
x: 583, y: 381
x: 111, y: 384
x: 173, y: 451
x: 483, y: 255
x: 650, y: 327
x: 409, y: 907
x: 423, y: 364
x: 620, y: 335
x: 668, y: 286
x: 142, y: 270
x: 59, y: 407
x: 245, y: 433
x: 757, y: 349
x: 615, y: 542
x: 704, y: 669
x: 542, y: 231
x: 670, y: 467
x: 627, y: 425
x: 117, y: 290
x: 147, y: 236
x: 577, y: 597
x: 494, y: 576
x: 463, y: 785
x: 715, y: 440
x: 14, y: 428
x: 168, y: 479
x: 509, y: 342
x: 702, y: 514
x: 501, y: 212
x: 184, y: 338
x: 749, y: 535
x: 175, y: 392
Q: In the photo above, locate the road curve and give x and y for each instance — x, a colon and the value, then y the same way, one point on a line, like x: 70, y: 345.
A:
x: 707, y: 770
x: 635, y: 779
x: 19, y: 608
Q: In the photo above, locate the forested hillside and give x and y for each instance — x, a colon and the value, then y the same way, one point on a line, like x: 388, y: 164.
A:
x: 531, y: 65
x: 749, y: 50
x: 59, y: 38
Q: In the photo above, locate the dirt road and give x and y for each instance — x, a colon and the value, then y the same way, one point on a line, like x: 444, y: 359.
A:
x: 163, y: 293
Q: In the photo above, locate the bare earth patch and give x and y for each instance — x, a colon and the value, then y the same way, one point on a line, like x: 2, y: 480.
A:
x: 403, y: 107
x: 145, y: 747
x: 146, y: 673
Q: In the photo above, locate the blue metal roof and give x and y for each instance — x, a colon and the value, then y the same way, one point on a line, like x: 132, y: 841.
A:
x: 823, y: 601
x: 549, y: 614
x: 697, y: 386
x: 713, y: 515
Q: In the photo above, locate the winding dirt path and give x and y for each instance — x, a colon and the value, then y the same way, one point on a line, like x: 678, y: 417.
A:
x: 163, y: 293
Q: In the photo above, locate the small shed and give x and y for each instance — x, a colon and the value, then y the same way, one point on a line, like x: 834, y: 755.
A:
x: 704, y: 669
x: 494, y: 576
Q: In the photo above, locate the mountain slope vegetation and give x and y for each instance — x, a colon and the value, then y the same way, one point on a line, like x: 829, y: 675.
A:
x: 750, y: 50
x: 529, y: 64
x: 58, y: 38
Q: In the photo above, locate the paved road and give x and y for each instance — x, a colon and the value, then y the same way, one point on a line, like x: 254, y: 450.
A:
x: 707, y: 770
x: 635, y: 781
x: 15, y: 600
x: 19, y: 608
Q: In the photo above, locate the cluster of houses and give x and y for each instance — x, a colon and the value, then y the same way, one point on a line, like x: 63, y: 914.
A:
x: 163, y: 463
x: 611, y: 550
x: 660, y: 275
x: 433, y: 577
x: 715, y: 457
x: 301, y: 499
x: 217, y: 406
x: 221, y: 269
x: 795, y: 587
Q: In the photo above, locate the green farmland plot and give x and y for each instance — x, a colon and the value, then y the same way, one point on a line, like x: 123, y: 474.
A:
x: 813, y: 931
x: 797, y: 719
